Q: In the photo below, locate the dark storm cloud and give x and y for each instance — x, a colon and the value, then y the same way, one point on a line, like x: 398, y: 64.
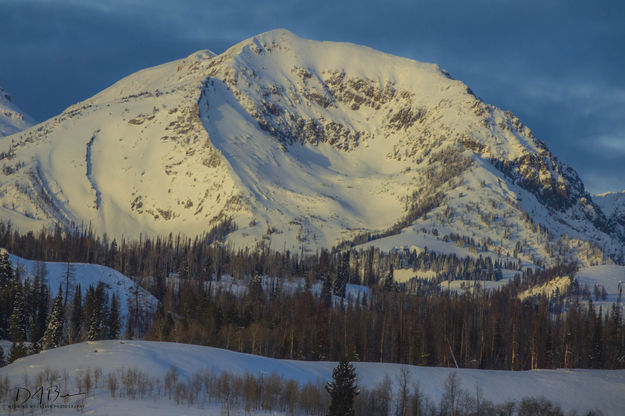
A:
x: 556, y: 64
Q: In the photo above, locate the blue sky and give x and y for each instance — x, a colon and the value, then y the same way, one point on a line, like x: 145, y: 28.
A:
x: 558, y: 65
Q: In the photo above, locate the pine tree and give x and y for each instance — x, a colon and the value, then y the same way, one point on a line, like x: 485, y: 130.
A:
x: 54, y: 331
x: 113, y: 321
x: 343, y: 389
x: 94, y: 326
x: 39, y: 317
x: 255, y: 287
x: 389, y: 282
x: 18, y: 350
x: 17, y: 321
x: 342, y: 275
x: 326, y: 291
x: 6, y: 272
x: 76, y: 318
x: 6, y: 289
x: 69, y: 273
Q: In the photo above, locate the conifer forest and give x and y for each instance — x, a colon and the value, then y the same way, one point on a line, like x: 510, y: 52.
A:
x: 415, y: 322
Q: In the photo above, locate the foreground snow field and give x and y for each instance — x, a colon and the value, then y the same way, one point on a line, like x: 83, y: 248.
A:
x: 579, y: 390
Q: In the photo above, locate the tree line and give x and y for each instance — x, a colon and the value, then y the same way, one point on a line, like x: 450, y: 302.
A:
x: 488, y: 329
x: 412, y: 324
x: 33, y: 321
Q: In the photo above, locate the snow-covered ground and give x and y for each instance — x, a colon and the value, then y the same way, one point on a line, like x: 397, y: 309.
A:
x: 86, y: 275
x: 571, y: 389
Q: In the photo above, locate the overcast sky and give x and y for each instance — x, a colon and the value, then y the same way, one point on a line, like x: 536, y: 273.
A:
x: 558, y: 65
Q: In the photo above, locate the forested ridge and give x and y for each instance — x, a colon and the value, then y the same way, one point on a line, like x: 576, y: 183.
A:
x: 406, y: 323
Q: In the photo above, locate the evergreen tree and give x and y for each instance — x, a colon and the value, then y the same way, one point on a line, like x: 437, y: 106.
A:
x: 113, y: 324
x: 76, y: 317
x: 326, y: 291
x: 389, y: 282
x: 255, y: 287
x: 6, y: 272
x: 54, y: 332
x: 96, y: 308
x: 94, y: 326
x: 39, y: 317
x: 343, y: 389
x: 17, y: 321
x: 18, y: 350
x: 2, y: 360
x: 342, y: 275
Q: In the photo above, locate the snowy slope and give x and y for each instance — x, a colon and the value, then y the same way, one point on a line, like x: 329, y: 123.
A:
x: 613, y: 206
x: 303, y: 144
x: 86, y: 275
x: 572, y: 389
x: 12, y: 119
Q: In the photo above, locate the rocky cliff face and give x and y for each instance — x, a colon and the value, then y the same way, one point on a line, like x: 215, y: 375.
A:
x: 302, y: 144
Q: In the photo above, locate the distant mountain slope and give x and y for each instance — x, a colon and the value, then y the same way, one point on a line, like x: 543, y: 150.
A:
x: 613, y: 206
x: 580, y: 390
x: 12, y: 119
x: 303, y: 144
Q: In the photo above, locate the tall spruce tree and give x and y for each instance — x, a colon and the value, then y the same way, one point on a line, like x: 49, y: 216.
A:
x: 6, y: 272
x: 94, y: 326
x: 342, y: 275
x: 17, y: 320
x: 54, y: 332
x: 39, y: 317
x: 389, y: 281
x: 6, y: 282
x: 343, y: 389
x: 326, y: 291
x: 76, y: 317
x: 113, y: 324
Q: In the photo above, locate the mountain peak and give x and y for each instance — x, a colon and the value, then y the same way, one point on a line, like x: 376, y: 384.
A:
x: 302, y: 144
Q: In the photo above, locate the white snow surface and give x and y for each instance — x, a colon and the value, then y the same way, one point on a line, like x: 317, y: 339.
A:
x: 581, y: 390
x: 86, y: 275
x: 12, y: 119
x: 303, y: 144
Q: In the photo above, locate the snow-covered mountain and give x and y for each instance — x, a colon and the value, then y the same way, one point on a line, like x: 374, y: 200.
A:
x: 302, y: 144
x: 12, y: 119
x: 613, y: 206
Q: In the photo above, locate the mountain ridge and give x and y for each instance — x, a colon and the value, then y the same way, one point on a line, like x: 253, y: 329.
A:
x: 303, y: 144
x: 12, y: 118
